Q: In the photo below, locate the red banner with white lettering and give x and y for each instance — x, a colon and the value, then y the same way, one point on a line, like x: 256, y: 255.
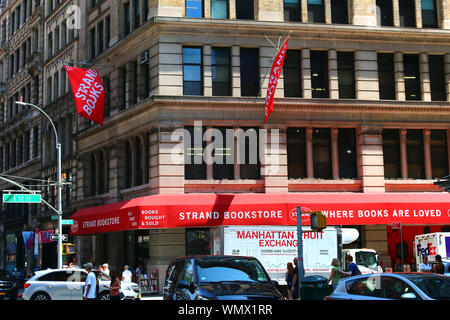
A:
x: 88, y: 92
x: 275, y: 73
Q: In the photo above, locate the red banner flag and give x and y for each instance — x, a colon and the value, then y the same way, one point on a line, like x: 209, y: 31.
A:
x: 88, y: 93
x: 275, y: 73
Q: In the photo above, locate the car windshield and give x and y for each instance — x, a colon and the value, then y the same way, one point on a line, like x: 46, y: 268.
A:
x: 230, y: 269
x: 434, y: 286
x: 5, y: 275
x: 366, y: 259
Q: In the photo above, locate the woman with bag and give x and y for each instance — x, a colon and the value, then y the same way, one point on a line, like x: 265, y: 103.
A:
x: 114, y: 288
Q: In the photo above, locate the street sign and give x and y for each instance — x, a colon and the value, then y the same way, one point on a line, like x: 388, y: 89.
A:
x: 21, y: 198
x: 67, y: 221
x: 54, y: 218
x: 54, y: 237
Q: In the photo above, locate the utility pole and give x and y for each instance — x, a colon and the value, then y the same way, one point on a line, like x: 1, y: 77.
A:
x: 301, y: 269
x: 59, y: 185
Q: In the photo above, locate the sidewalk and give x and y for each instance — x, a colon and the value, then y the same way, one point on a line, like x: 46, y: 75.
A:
x: 152, y: 297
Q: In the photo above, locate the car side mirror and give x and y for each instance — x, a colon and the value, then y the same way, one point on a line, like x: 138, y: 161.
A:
x: 275, y: 283
x: 408, y: 296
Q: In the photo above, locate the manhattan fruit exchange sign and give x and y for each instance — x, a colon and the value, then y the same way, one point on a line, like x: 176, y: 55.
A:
x: 210, y: 210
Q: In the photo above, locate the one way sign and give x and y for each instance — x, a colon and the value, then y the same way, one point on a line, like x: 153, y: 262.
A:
x: 54, y: 237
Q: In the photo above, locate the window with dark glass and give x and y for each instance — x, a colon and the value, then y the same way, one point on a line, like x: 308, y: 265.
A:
x: 439, y: 153
x: 92, y: 38
x: 322, y: 153
x: 429, y: 15
x: 245, y: 9
x: 292, y: 10
x: 123, y: 87
x: 198, y: 241
x: 437, y: 77
x: 316, y: 11
x: 139, y: 173
x: 192, y: 71
x: 219, y: 9
x: 407, y: 13
x: 194, y: 8
x: 100, y: 37
x: 107, y: 31
x: 101, y: 173
x: 249, y: 58
x: 415, y: 156
x: 128, y: 165
x: 386, y: 76
x: 412, y: 77
x: 93, y: 178
x: 35, y: 141
x: 339, y: 11
x: 391, y: 153
x: 223, y: 167
x: 292, y: 73
x: 137, y: 13
x: 251, y: 168
x: 134, y: 75
x: 194, y: 164
x: 347, y: 153
x: 346, y: 75
x: 319, y: 74
x: 296, y: 153
x: 221, y: 71
x: 107, y: 85
x: 126, y: 18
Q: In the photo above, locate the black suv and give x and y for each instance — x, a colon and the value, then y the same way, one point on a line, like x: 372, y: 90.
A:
x: 218, y: 278
x: 8, y: 288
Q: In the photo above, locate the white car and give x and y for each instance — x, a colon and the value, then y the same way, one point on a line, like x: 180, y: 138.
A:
x: 68, y: 284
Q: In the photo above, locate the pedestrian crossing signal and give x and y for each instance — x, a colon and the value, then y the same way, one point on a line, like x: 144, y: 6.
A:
x: 318, y: 221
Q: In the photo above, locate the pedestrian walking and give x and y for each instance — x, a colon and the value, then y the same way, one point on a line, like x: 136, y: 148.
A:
x: 353, y: 269
x: 90, y: 284
x: 295, y: 280
x: 336, y: 273
x: 139, y: 272
x: 439, y: 267
x: 106, y: 268
x: 114, y: 288
x: 126, y: 274
x: 289, y: 275
x: 425, y: 266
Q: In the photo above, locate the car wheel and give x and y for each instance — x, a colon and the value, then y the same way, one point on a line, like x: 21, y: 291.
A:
x: 103, y: 296
x: 40, y: 296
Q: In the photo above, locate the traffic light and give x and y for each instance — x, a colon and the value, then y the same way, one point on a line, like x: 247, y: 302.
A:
x: 318, y: 221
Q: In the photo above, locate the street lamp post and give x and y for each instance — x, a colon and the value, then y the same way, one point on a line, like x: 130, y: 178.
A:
x: 59, y: 201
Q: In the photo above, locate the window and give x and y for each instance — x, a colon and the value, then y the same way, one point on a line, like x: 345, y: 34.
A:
x: 223, y: 167
x: 221, y: 71
x: 107, y: 31
x: 137, y: 13
x: 126, y: 18
x: 322, y: 153
x: 250, y: 165
x: 347, y: 153
x: 296, y: 153
x: 346, y: 75
x: 395, y: 288
x: 189, y: 271
x: 249, y: 58
x: 57, y: 47
x: 134, y: 75
x: 192, y: 71
x: 198, y: 241
x: 139, y: 172
x: 386, y: 76
x: 366, y: 286
x: 316, y: 11
x: 407, y: 13
x: 437, y: 77
x: 339, y: 11
x: 292, y: 10
x: 100, y: 37
x: 101, y: 172
x: 93, y: 176
x: 391, y: 153
x: 292, y: 74
x: 50, y: 44
x: 194, y: 8
x: 414, y: 150
x: 319, y: 74
x: 92, y: 38
x: 194, y: 167
x: 107, y: 86
x: 439, y: 153
x: 128, y: 165
x: 245, y: 9
x: 219, y: 9
x: 35, y: 141
x: 429, y: 16
x: 412, y: 77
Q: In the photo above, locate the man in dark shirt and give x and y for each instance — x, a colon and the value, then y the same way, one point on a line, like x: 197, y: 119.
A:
x: 352, y: 267
x: 295, y: 280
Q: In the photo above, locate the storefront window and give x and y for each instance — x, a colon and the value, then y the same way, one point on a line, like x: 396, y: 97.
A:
x: 198, y: 241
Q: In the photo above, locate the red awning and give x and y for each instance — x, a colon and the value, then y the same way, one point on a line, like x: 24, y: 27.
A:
x: 207, y: 210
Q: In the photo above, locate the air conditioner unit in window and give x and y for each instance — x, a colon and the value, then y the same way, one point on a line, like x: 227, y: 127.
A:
x: 144, y: 57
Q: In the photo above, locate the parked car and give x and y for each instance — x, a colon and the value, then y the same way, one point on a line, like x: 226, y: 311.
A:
x: 8, y: 287
x: 68, y: 284
x: 218, y: 278
x: 393, y: 286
